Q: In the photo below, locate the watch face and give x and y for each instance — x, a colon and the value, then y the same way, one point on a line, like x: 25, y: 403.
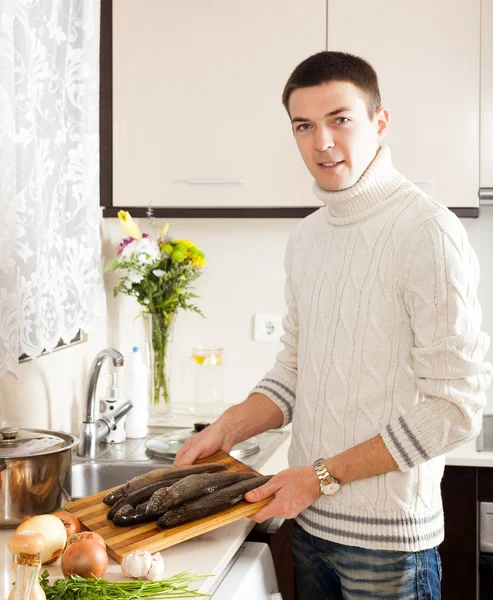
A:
x: 331, y: 488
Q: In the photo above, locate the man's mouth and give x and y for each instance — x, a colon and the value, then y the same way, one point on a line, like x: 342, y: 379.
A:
x: 330, y: 165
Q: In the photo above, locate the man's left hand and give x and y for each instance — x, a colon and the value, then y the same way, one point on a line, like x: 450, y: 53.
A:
x: 293, y: 490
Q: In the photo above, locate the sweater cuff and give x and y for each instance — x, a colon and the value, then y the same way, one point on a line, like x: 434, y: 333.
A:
x: 281, y: 394
x: 404, y: 445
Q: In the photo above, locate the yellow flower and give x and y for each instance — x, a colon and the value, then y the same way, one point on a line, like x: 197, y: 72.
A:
x: 128, y: 225
x: 198, y: 261
x: 164, y: 230
x: 186, y: 242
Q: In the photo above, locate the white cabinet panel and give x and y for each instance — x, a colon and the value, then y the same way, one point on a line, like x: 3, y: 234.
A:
x: 426, y: 55
x: 197, y: 113
x: 486, y: 172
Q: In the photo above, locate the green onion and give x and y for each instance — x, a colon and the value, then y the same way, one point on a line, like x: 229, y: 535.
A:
x: 75, y: 588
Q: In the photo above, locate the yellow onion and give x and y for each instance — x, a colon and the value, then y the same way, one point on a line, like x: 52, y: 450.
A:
x: 86, y: 558
x: 53, y: 531
x: 71, y: 523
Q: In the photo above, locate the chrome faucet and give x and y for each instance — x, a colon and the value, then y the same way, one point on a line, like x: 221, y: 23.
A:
x: 91, y: 432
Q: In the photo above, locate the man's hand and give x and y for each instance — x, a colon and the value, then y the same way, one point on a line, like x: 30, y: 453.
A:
x: 294, y: 490
x: 203, y: 444
x: 253, y: 416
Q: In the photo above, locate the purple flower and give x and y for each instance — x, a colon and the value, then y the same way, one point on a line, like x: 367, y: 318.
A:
x: 125, y: 242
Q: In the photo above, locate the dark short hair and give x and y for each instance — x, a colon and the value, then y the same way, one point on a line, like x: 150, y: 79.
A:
x: 326, y: 66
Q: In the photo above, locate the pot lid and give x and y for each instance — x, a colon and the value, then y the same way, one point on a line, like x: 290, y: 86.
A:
x: 166, y: 446
x: 23, y: 443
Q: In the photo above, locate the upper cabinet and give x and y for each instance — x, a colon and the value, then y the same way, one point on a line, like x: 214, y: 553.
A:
x: 486, y: 172
x: 197, y: 113
x: 427, y: 56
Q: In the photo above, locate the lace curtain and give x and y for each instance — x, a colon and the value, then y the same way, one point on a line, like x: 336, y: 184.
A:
x: 50, y: 249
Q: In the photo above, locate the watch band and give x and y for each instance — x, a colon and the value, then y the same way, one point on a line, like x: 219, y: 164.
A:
x: 324, y: 477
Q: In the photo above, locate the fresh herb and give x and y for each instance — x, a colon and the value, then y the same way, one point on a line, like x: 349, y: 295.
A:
x: 75, y: 587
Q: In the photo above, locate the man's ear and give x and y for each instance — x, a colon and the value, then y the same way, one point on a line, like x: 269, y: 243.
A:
x: 382, y: 118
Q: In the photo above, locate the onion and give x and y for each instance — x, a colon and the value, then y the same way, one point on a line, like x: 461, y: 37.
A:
x: 53, y: 531
x: 86, y: 558
x: 71, y: 523
x: 85, y: 535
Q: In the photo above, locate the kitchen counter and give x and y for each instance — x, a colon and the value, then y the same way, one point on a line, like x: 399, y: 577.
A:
x: 468, y: 456
x: 209, y: 553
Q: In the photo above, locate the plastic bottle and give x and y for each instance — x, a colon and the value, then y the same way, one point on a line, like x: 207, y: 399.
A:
x: 136, y: 390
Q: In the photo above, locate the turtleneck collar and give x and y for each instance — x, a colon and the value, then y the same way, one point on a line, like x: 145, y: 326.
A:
x: 370, y: 194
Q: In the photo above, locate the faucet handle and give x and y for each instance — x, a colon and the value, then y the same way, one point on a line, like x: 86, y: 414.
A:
x: 105, y: 424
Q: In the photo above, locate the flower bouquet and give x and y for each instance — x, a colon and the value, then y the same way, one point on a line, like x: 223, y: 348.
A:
x: 158, y: 273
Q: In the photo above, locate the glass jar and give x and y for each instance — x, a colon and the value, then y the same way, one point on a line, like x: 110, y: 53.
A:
x: 207, y: 381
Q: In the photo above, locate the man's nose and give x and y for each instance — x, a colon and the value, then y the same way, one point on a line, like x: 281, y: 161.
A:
x: 323, y: 139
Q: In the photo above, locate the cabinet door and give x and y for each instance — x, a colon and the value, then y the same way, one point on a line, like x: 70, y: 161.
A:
x: 486, y: 173
x: 426, y: 55
x: 198, y: 118
x: 460, y: 547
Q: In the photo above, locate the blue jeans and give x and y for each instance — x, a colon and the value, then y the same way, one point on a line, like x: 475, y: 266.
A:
x: 329, y: 571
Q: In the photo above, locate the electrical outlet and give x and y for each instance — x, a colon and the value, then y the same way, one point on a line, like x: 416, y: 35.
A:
x: 267, y: 327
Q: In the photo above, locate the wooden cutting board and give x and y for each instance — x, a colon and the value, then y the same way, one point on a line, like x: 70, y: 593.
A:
x: 120, y: 541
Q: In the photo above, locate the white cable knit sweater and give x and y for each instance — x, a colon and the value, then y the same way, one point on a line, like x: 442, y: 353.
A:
x: 382, y: 336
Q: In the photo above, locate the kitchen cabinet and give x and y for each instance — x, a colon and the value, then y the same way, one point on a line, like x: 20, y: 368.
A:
x: 427, y: 57
x: 197, y: 113
x: 486, y: 171
x: 462, y: 490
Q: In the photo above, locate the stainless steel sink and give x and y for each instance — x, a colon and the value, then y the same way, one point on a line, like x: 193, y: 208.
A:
x: 92, y: 477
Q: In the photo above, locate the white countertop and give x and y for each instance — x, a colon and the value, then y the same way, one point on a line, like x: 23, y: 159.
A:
x: 468, y: 456
x: 206, y: 554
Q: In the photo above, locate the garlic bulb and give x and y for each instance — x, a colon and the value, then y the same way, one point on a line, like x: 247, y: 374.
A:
x: 142, y: 564
x: 137, y: 564
x: 156, y: 572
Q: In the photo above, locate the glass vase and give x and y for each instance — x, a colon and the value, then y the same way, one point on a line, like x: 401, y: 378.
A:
x: 158, y: 339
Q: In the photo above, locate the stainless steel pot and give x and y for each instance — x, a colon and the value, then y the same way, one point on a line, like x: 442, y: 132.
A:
x: 35, y: 472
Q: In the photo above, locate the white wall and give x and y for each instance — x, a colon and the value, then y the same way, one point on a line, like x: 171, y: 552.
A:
x: 244, y: 275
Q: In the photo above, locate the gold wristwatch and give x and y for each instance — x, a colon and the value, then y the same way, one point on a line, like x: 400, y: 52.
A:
x: 328, y: 485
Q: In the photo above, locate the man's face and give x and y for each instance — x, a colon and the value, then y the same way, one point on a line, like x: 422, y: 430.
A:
x: 335, y: 136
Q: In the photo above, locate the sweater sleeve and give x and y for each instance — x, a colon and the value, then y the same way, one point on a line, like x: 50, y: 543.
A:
x: 441, y: 275
x: 279, y: 384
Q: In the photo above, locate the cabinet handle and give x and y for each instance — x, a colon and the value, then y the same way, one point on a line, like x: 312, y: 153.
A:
x: 214, y: 181
x: 486, y: 196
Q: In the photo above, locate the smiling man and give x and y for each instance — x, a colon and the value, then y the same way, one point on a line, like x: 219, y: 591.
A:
x: 382, y: 370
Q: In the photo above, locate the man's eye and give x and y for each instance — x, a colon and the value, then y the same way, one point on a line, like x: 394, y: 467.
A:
x: 302, y: 127
x: 342, y: 120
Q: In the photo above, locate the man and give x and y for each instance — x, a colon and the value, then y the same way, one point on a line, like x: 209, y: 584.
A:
x: 382, y: 369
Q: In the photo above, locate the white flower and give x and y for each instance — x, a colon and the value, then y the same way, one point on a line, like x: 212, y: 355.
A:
x: 158, y: 272
x: 128, y: 284
x: 134, y: 276
x: 146, y: 300
x: 129, y: 249
x: 147, y: 251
